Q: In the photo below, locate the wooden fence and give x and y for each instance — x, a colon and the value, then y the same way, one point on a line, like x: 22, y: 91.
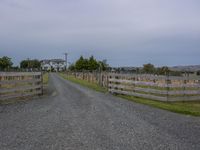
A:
x: 93, y: 77
x: 162, y: 88
x: 20, y: 84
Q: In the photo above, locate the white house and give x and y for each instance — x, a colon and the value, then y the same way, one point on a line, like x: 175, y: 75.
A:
x: 53, y: 65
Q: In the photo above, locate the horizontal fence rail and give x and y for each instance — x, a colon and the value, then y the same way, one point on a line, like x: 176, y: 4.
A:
x: 20, y: 84
x: 100, y: 78
x: 162, y: 88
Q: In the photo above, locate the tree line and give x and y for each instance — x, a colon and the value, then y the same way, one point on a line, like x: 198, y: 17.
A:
x: 89, y: 64
x: 149, y: 69
x: 7, y: 64
x: 86, y: 64
x: 82, y: 64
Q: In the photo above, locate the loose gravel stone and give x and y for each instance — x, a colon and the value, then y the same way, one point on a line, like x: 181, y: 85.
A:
x: 77, y: 118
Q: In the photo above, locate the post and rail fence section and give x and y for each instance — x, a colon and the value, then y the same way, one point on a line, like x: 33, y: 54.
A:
x: 100, y: 78
x: 20, y: 84
x: 161, y: 88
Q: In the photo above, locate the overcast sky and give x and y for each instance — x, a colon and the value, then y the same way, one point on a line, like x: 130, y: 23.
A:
x: 125, y: 32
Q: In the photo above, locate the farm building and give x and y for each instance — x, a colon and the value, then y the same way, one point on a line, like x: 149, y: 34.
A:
x: 53, y: 65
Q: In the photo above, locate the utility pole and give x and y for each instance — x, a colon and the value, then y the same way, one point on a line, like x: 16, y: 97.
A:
x: 66, y: 54
x: 28, y: 60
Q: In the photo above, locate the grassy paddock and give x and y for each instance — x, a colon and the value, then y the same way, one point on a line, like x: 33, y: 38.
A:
x: 45, y: 78
x: 93, y: 86
x: 189, y: 108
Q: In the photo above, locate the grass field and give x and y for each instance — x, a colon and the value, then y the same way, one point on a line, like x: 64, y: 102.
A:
x: 93, y: 86
x: 45, y: 78
x: 188, y: 108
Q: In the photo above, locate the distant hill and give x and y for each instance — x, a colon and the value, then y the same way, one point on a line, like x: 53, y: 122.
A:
x: 189, y: 68
x: 186, y: 68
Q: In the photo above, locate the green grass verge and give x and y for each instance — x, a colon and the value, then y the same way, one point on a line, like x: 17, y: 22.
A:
x: 188, y: 108
x: 45, y: 78
x: 93, y: 86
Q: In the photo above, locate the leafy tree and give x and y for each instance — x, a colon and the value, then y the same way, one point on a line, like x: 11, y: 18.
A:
x: 5, y: 63
x: 148, y: 68
x: 103, y: 65
x: 30, y: 64
x: 72, y: 67
x: 24, y: 64
x: 81, y: 64
x: 198, y: 73
x: 92, y: 64
x: 163, y: 70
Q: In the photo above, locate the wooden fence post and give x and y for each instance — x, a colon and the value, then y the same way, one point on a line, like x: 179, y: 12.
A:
x: 108, y: 81
x: 184, y: 86
x: 42, y: 86
x: 198, y: 86
x: 167, y: 88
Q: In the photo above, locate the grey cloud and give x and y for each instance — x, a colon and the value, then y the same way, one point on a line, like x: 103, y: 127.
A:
x: 126, y: 32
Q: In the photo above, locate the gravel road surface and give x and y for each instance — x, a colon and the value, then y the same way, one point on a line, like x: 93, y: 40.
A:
x: 77, y: 118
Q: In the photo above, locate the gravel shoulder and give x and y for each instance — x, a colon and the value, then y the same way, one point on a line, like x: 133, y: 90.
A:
x: 75, y: 117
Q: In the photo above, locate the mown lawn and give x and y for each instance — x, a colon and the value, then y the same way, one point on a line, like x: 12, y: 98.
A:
x: 188, y: 108
x: 93, y: 86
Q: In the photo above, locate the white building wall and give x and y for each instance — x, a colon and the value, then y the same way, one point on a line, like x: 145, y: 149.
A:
x: 57, y: 66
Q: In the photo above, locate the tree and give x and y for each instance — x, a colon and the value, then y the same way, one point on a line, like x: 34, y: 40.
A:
x: 103, y: 65
x: 81, y: 64
x: 148, y: 68
x: 92, y: 64
x: 24, y: 64
x: 5, y: 63
x: 198, y: 73
x: 163, y: 70
x: 30, y: 64
x: 72, y: 67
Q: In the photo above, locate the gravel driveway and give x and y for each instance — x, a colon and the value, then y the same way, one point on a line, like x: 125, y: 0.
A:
x: 77, y: 118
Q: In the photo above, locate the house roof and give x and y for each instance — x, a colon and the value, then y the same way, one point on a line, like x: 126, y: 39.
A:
x: 52, y: 60
x: 57, y: 60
